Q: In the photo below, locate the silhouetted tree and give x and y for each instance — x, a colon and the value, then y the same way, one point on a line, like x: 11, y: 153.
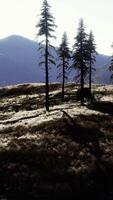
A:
x: 46, y: 27
x: 91, y: 48
x: 80, y: 55
x: 111, y: 66
x: 64, y: 55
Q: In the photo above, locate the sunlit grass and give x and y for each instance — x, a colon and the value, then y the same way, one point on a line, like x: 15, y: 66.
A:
x: 45, y: 153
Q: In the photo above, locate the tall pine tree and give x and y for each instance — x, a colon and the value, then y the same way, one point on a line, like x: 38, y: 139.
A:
x: 46, y: 27
x: 64, y: 55
x: 80, y: 55
x: 91, y: 48
x: 111, y: 66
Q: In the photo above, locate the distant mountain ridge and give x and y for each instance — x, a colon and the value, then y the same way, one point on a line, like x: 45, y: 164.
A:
x: 19, y: 63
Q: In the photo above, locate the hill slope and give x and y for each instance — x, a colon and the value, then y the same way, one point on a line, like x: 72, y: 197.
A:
x: 66, y: 153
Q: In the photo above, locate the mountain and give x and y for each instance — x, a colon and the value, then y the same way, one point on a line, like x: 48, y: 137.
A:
x: 102, y: 73
x: 18, y: 60
x: 19, y: 63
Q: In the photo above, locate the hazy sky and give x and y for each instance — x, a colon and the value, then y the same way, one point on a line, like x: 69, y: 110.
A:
x: 20, y: 17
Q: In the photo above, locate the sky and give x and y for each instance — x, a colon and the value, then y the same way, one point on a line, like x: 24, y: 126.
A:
x: 20, y: 17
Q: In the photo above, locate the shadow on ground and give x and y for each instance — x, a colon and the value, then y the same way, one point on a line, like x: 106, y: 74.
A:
x: 102, y: 106
x: 66, y: 161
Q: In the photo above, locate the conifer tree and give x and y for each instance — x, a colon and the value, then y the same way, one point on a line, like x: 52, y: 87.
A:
x: 46, y: 27
x: 64, y: 55
x: 80, y: 55
x: 91, y: 48
x: 111, y: 66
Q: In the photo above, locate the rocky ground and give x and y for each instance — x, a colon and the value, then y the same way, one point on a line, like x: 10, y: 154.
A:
x: 64, y: 153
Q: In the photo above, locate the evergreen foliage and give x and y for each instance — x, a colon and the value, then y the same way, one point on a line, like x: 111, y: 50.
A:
x: 111, y: 66
x: 91, y: 47
x: 80, y: 55
x: 46, y: 27
x: 64, y: 55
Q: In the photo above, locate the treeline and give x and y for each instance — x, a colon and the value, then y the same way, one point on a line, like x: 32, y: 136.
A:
x: 81, y: 57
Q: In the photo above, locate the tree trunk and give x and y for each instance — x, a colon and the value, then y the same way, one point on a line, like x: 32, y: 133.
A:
x: 63, y: 79
x: 90, y: 73
x: 82, y: 87
x: 47, y: 76
x: 82, y: 77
